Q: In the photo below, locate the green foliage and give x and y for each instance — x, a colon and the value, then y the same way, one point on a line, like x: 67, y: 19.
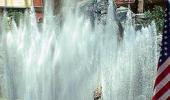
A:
x: 150, y: 1
x: 157, y: 14
x: 15, y: 14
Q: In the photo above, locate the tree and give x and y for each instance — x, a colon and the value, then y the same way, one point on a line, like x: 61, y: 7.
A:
x: 151, y: 1
x: 140, y: 6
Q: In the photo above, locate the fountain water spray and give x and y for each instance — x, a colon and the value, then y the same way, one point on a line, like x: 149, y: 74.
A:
x: 69, y: 61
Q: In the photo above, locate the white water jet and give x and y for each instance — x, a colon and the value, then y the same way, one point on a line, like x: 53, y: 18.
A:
x: 69, y: 61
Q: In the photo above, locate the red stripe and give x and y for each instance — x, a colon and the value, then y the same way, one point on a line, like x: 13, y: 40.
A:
x: 162, y: 76
x: 161, y: 92
x: 168, y: 98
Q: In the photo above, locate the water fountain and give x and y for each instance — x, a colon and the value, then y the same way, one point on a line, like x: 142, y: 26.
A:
x: 69, y: 61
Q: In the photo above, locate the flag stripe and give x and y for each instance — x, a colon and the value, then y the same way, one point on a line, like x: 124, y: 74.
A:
x: 162, y: 76
x: 162, y: 83
x: 165, y: 96
x: 161, y: 92
x: 163, y: 66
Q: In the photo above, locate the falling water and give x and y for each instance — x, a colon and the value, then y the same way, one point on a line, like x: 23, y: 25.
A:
x: 68, y: 60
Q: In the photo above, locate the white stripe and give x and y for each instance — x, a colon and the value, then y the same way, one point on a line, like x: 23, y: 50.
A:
x: 165, y: 95
x: 162, y: 84
x: 163, y: 66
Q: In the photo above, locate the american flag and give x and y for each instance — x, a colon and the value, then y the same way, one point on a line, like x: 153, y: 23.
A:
x: 162, y: 82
